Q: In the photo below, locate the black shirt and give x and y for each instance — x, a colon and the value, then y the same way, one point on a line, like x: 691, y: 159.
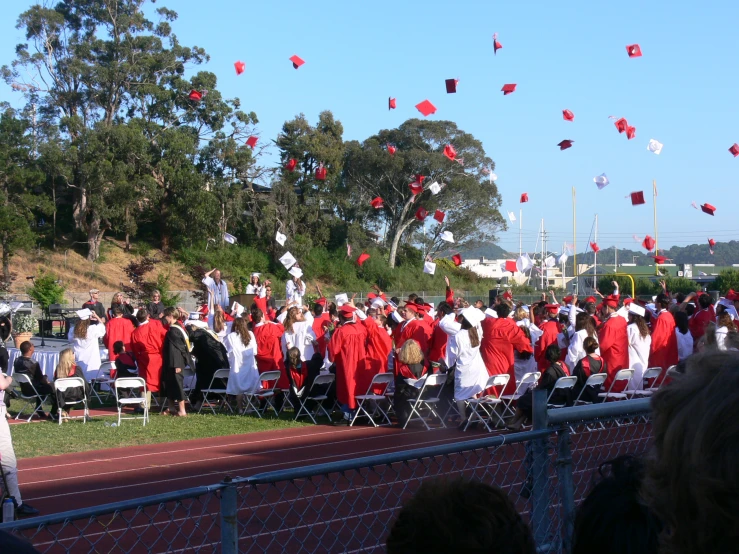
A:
x: 96, y: 307
x: 29, y: 367
x: 155, y: 309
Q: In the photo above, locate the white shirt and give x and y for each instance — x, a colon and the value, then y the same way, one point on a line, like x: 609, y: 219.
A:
x: 301, y: 338
x: 294, y: 293
x: 217, y: 294
x: 87, y: 351
x: 685, y: 344
x: 259, y: 290
x: 243, y: 375
x: 638, y: 355
x: 721, y: 334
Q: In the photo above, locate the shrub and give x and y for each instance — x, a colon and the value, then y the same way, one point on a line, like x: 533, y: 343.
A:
x: 46, y: 290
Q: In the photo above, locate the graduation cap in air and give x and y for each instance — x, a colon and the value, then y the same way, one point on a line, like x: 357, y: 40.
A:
x: 510, y: 265
x: 648, y: 243
x: 297, y: 61
x: 435, y: 188
x: 655, y: 146
x: 377, y: 203
x: 711, y: 244
x: 421, y: 214
x: 508, y: 89
x: 565, y: 144
x: 391, y: 104
x: 621, y: 124
x: 363, y: 257
x: 637, y: 198
x: 451, y: 85
x: 633, y: 50
x: 291, y: 164
x: 496, y: 45
x: 595, y: 247
x: 280, y: 238
x: 601, y: 181
x: 447, y: 236
x: 457, y: 259
x: 391, y: 149
x: 659, y: 260
x: 450, y: 152
x: 195, y: 95
x: 426, y: 108
x: 708, y: 208
x: 251, y: 142
x: 568, y: 115
x: 240, y: 67
x: 439, y: 216
x: 734, y: 149
x: 416, y: 187
x: 321, y: 173
x: 288, y: 260
x: 524, y: 197
x: 630, y: 132
x: 429, y: 267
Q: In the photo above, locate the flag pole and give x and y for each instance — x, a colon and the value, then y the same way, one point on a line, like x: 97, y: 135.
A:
x: 656, y: 236
x: 574, y: 236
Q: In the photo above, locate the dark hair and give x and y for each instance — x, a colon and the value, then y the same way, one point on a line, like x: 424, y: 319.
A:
x: 690, y: 309
x: 613, y: 519
x: 584, y: 320
x: 679, y: 297
x: 142, y: 315
x: 241, y: 328
x: 590, y: 345
x: 705, y: 300
x: 444, y: 308
x: 292, y: 360
x: 459, y: 516
x: 553, y: 353
x: 395, y: 300
x: 591, y: 308
x: 641, y: 324
x: 503, y: 310
x: 412, y: 297
x: 691, y: 480
x: 663, y: 300
x: 317, y: 309
x: 257, y: 315
x: 117, y: 310
x: 681, y: 321
x: 118, y: 347
x: 26, y: 346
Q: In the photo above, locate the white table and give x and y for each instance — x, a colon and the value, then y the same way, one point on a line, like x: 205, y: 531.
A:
x: 47, y: 358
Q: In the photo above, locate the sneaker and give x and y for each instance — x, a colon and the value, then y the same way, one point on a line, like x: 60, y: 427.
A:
x: 26, y: 510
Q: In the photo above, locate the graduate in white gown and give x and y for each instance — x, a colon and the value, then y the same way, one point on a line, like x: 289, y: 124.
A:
x: 299, y: 333
x: 241, y: 347
x: 84, y: 338
x: 639, y: 344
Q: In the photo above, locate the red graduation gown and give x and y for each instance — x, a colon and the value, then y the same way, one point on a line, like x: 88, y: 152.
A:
x: 550, y: 330
x: 269, y: 350
x: 500, y: 337
x: 319, y: 328
x: 147, y: 343
x: 118, y: 329
x: 699, y: 321
x: 437, y: 345
x: 613, y: 339
x: 663, y: 352
x: 348, y: 349
x: 416, y: 330
x: 379, y: 345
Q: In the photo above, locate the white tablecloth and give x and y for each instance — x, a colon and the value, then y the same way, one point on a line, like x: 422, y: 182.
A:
x: 48, y: 359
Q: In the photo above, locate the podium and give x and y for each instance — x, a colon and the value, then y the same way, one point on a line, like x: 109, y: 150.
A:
x: 245, y: 300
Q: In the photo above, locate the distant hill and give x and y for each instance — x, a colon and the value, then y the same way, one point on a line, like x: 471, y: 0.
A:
x: 489, y: 251
x: 725, y: 254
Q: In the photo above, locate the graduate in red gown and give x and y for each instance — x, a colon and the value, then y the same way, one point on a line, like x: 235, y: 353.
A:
x: 347, y: 348
x: 411, y: 328
x: 663, y: 351
x: 321, y: 324
x: 550, y: 329
x: 118, y: 328
x: 147, y: 343
x: 500, y: 337
x: 702, y: 317
x: 269, y: 348
x: 437, y: 344
x: 379, y: 344
x: 613, y: 337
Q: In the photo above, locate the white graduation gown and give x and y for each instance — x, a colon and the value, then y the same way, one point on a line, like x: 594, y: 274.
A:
x: 576, y: 352
x: 87, y: 351
x: 243, y: 375
x: 302, y: 338
x: 470, y: 376
x: 638, y: 355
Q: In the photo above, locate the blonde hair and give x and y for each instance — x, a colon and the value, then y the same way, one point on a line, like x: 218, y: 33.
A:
x: 410, y: 353
x: 520, y: 314
x: 219, y: 319
x: 66, y: 362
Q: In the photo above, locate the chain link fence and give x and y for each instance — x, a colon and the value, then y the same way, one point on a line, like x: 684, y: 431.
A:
x: 350, y: 506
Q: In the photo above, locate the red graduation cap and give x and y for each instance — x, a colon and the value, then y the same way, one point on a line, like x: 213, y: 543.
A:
x: 297, y: 61
x: 552, y: 308
x: 451, y: 85
x: 321, y: 302
x: 659, y: 260
x: 611, y: 300
x: 251, y: 142
x: 565, y: 144
x: 648, y: 243
x: 291, y: 164
x: 637, y: 198
x: 524, y: 197
x: 421, y: 213
x: 377, y: 203
x: 321, y: 173
x: 450, y: 152
x: 496, y: 45
x: 509, y: 88
x: 392, y: 149
x: 363, y: 257
x: 416, y: 188
x: 195, y: 95
x: 419, y: 179
x: 590, y: 300
x: 240, y: 67
x: 708, y: 208
x: 426, y: 108
x: 634, y: 51
x: 567, y: 300
x: 439, y: 216
x: 711, y: 244
x: 621, y: 124
x: 457, y: 259
x: 568, y: 115
x: 630, y: 132
x: 734, y: 149
x: 391, y: 103
x: 510, y: 265
x: 347, y: 310
x: 507, y: 295
x: 595, y: 247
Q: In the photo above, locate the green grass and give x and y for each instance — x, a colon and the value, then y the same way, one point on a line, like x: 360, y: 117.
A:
x: 47, y: 438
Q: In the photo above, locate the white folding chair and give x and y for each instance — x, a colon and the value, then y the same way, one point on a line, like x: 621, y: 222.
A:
x: 595, y: 380
x: 487, y: 405
x: 251, y: 399
x: 62, y: 385
x: 621, y: 376
x: 528, y: 380
x: 651, y: 374
x: 18, y: 380
x: 433, y: 380
x: 562, y: 384
x: 220, y: 374
x: 309, y: 395
x: 381, y: 380
x: 127, y: 383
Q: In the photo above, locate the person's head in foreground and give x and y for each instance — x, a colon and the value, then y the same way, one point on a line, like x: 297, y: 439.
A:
x: 613, y: 518
x: 460, y: 517
x: 692, y: 482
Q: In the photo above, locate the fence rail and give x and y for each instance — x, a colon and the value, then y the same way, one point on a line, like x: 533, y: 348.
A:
x: 350, y: 506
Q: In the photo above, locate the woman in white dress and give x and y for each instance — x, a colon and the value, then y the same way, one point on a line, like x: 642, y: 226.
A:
x: 243, y: 375
x: 84, y: 338
x: 639, y: 344
x: 299, y: 333
x: 463, y: 353
x: 584, y: 328
x: 221, y: 327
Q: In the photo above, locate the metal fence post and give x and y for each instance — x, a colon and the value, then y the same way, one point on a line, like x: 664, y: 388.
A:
x: 538, y: 472
x: 566, y: 487
x: 229, y: 520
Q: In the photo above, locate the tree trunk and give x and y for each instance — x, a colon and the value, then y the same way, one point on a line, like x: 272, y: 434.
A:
x: 95, y: 237
x: 128, y: 235
x: 79, y: 212
x: 396, y: 240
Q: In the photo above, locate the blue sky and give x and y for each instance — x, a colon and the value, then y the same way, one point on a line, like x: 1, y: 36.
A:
x: 571, y: 55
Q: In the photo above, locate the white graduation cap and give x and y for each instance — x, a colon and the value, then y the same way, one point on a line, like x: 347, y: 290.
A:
x: 491, y: 313
x: 238, y: 308
x: 435, y: 188
x: 550, y: 261
x: 601, y: 180
x: 655, y: 146
x: 280, y: 238
x: 255, y: 274
x: 563, y: 258
x: 341, y: 299
x: 493, y: 177
x: 396, y: 316
x: 296, y: 272
x: 230, y: 239
x: 84, y: 314
x: 447, y: 236
x: 378, y: 303
x: 429, y: 267
x: 194, y: 315
x: 473, y: 315
x: 524, y: 263
x: 196, y: 323
x: 636, y: 309
x: 512, y: 216
x: 288, y: 260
